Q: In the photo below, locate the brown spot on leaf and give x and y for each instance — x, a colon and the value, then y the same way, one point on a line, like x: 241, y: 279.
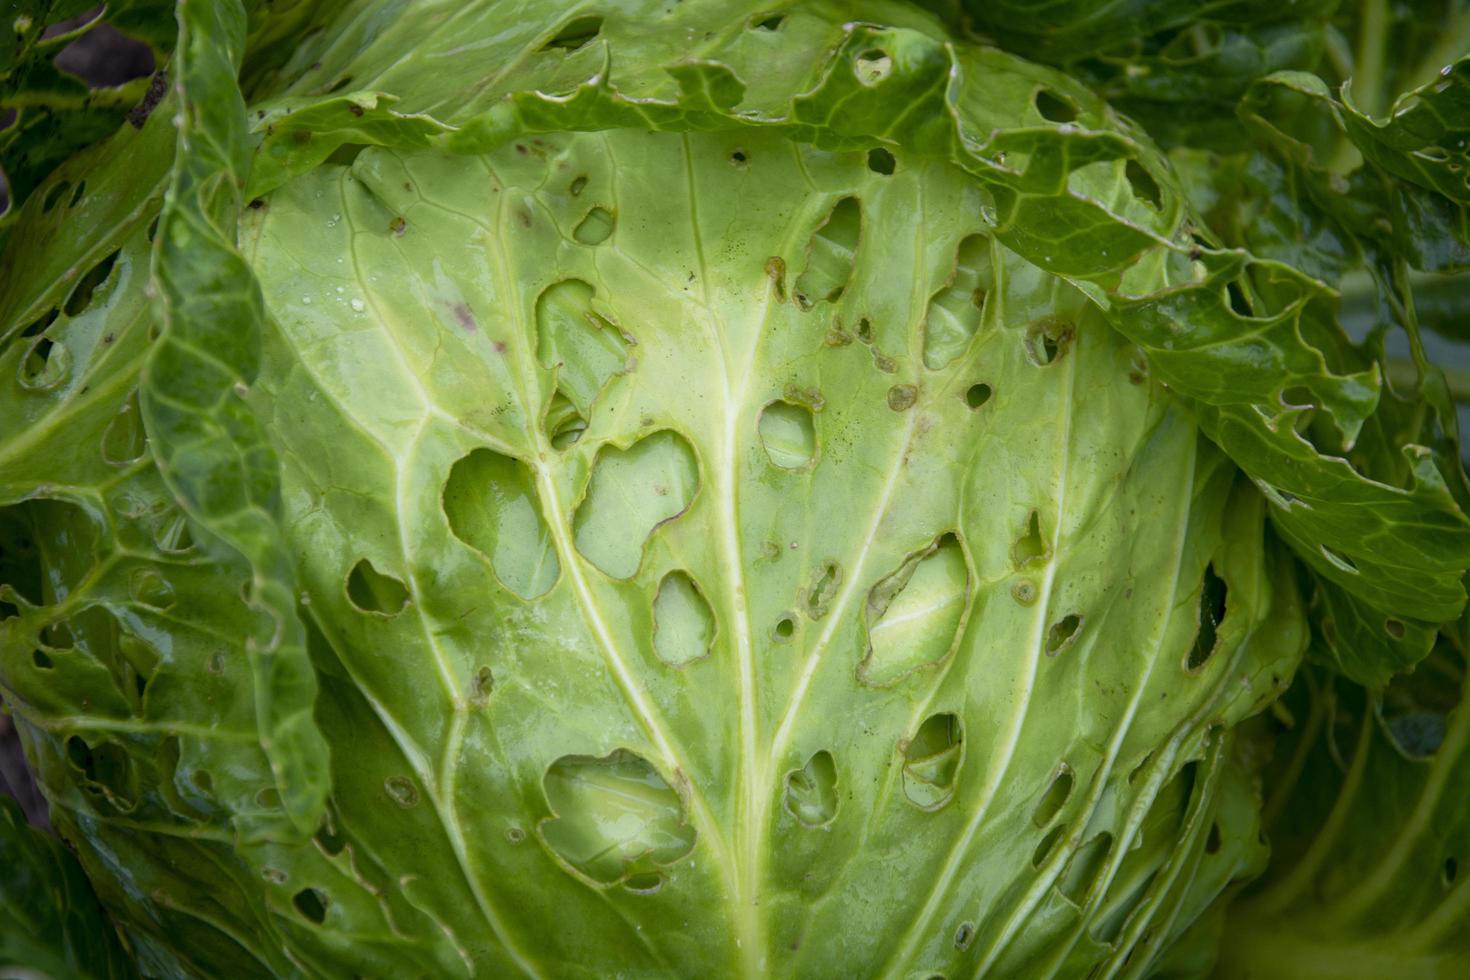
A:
x: 466, y: 317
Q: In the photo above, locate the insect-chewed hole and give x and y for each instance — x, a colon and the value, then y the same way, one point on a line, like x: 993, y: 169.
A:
x: 873, y: 66
x: 788, y: 433
x: 1054, y: 108
x: 1236, y: 298
x: 823, y: 589
x: 54, y: 195
x: 371, y: 591
x: 767, y: 22
x: 492, y: 505
x: 1213, y: 592
x: 1340, y: 560
x: 631, y: 493
x: 575, y: 34
x: 1045, y: 846
x: 683, y: 622
x: 977, y: 394
x: 1055, y: 797
x: 932, y: 761
x: 615, y: 818
x: 1145, y: 188
x: 881, y: 161
x: 596, y: 228
x: 1047, y: 340
x: 831, y: 255
x: 1062, y: 633
x: 312, y: 904
x: 811, y: 792
x: 913, y: 615
x: 1031, y: 546
x: 1083, y: 868
x: 81, y: 293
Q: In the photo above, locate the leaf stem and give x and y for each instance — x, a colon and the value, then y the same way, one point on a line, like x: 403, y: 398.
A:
x: 1368, y: 69
x: 1402, y: 373
x: 1453, y: 44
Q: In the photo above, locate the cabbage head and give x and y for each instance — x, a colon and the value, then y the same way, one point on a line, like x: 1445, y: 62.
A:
x: 641, y: 488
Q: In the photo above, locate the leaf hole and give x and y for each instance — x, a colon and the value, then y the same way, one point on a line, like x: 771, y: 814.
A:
x: 932, y: 761
x: 955, y: 313
x: 81, y: 294
x: 371, y: 591
x: 1031, y: 546
x: 785, y: 628
x: 491, y: 503
x: 402, y: 790
x: 1235, y: 296
x: 124, y: 441
x: 1450, y: 872
x: 45, y: 365
x: 54, y: 195
x: 1047, y: 340
x: 1145, y: 188
x: 595, y: 228
x: 614, y: 818
x: 1082, y: 870
x: 683, y: 622
x: 738, y: 158
x: 644, y: 884
x: 1212, y: 596
x: 1298, y: 396
x: 831, y: 255
x: 788, y: 434
x: 575, y: 34
x: 880, y: 161
x: 1062, y: 633
x: 1339, y: 560
x: 1057, y: 793
x: 1394, y: 628
x: 1212, y: 839
x: 633, y: 492
x: 811, y: 792
x: 1045, y: 846
x: 964, y: 936
x: 823, y: 590
x: 1054, y: 108
x: 914, y: 614
x: 312, y: 905
x: 329, y: 838
x: 40, y: 323
x: 767, y: 22
x: 977, y: 395
x: 873, y: 66
x: 41, y: 660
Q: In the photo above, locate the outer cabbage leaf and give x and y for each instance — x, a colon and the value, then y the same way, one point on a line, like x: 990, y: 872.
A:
x: 1057, y: 182
x: 1367, y: 822
x: 494, y: 358
x: 50, y: 922
x: 47, y: 114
